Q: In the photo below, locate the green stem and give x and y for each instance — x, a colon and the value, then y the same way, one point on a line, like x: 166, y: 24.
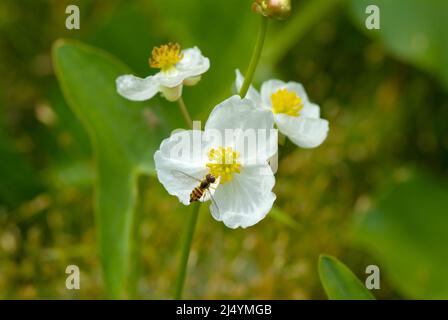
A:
x: 255, y: 57
x: 186, y: 246
x: 191, y: 224
x: 184, y: 111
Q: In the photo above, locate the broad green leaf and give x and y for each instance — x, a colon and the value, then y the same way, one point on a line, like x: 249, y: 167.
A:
x: 69, y: 165
x: 123, y: 143
x: 407, y: 232
x: 413, y: 30
x: 339, y: 281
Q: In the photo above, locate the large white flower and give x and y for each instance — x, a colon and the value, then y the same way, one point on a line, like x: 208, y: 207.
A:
x: 242, y: 194
x: 295, y: 116
x: 177, y: 68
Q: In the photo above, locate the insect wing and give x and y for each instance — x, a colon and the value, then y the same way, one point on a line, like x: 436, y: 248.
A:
x: 183, y: 175
x: 214, y: 204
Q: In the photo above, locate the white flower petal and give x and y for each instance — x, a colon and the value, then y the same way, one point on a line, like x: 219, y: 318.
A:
x: 193, y: 62
x: 246, y: 199
x: 137, y: 89
x: 192, y: 81
x: 252, y: 129
x: 252, y: 94
x: 310, y: 110
x: 173, y: 167
x: 237, y: 113
x: 304, y: 132
x: 170, y: 78
x: 171, y: 94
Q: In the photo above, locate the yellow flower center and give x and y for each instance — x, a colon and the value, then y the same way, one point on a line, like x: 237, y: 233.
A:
x: 287, y: 102
x: 165, y: 56
x: 223, y: 163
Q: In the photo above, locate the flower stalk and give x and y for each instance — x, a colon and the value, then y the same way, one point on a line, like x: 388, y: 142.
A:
x: 185, y: 253
x: 255, y: 57
x: 185, y: 113
x: 191, y: 223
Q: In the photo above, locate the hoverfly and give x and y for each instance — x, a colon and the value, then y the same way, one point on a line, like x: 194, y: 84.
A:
x: 204, y: 187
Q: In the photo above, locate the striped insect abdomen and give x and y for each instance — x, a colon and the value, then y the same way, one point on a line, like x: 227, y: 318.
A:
x: 196, y: 194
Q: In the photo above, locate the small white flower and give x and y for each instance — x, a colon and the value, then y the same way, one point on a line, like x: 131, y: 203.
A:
x: 295, y: 116
x: 242, y: 193
x: 177, y: 68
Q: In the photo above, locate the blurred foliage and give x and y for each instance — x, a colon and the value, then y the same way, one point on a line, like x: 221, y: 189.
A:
x: 385, y: 115
x: 413, y: 30
x: 18, y: 183
x: 407, y: 230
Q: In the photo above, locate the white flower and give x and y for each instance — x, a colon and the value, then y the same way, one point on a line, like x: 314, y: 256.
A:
x: 242, y: 194
x: 295, y: 116
x: 176, y: 69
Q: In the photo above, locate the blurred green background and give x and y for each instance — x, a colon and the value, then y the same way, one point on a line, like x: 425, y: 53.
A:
x: 374, y: 193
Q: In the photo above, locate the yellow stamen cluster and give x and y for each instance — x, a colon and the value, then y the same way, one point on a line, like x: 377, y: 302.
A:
x: 165, y: 56
x: 223, y: 163
x: 287, y: 102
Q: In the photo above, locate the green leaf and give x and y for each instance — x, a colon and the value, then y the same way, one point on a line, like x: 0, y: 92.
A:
x: 413, y: 30
x: 339, y: 281
x: 123, y: 143
x: 407, y: 232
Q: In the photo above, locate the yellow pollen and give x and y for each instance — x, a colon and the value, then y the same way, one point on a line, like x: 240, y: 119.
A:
x: 287, y: 102
x: 165, y: 56
x: 223, y: 163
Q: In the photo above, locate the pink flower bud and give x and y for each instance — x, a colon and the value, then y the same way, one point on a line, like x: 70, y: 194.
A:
x: 276, y: 9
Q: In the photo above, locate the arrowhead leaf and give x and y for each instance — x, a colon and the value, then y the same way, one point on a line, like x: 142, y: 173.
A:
x: 123, y: 143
